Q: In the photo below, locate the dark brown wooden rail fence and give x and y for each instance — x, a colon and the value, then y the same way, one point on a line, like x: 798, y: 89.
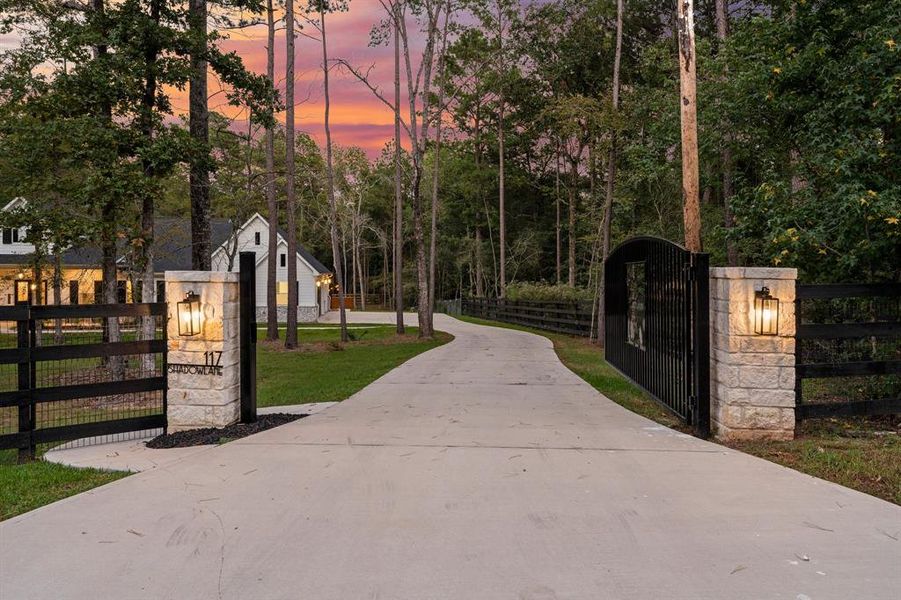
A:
x: 848, y: 353
x: 63, y: 376
x: 573, y: 318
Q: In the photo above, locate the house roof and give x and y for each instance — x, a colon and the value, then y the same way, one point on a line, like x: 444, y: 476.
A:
x: 172, y: 249
x: 282, y: 239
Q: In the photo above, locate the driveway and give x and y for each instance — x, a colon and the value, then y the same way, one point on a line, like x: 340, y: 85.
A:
x: 482, y: 469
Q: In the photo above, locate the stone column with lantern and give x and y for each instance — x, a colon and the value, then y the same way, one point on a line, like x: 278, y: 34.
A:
x: 752, y: 362
x: 204, y: 349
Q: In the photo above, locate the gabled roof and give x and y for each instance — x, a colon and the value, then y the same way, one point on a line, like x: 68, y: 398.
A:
x: 172, y: 241
x: 302, y: 252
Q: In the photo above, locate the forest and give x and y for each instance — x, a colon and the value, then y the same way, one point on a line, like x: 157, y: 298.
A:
x: 531, y: 137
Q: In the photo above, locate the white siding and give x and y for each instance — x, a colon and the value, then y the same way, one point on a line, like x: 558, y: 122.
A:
x: 306, y: 277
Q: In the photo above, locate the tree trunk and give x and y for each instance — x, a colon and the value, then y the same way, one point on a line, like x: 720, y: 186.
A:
x: 480, y: 275
x: 271, y: 200
x: 691, y: 209
x: 198, y: 123
x: 502, y: 225
x: 574, y: 175
x: 58, y: 291
x: 433, y: 239
x: 148, y: 102
x: 557, y: 226
x: 108, y: 285
x: 611, y: 178
x: 398, y: 194
x: 108, y: 246
x: 290, y: 204
x: 330, y: 174
x: 500, y: 156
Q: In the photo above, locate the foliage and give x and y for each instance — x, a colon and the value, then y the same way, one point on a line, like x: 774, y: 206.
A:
x: 544, y: 292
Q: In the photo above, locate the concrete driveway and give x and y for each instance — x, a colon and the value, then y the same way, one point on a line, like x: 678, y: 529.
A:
x: 483, y: 469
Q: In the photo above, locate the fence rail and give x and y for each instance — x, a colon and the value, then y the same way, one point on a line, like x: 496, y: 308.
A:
x: 848, y: 354
x: 573, y: 318
x: 70, y: 372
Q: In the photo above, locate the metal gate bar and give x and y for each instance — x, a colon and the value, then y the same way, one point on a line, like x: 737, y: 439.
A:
x: 657, y: 324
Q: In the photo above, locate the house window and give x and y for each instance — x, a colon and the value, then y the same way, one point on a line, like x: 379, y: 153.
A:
x: 23, y: 291
x: 283, y: 260
x: 10, y: 236
x: 73, y: 292
x: 160, y: 291
x: 281, y: 293
x: 256, y: 238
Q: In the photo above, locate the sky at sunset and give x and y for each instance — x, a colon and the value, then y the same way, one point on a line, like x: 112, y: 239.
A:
x: 357, y: 117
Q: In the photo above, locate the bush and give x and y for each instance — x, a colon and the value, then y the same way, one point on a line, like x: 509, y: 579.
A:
x: 544, y: 292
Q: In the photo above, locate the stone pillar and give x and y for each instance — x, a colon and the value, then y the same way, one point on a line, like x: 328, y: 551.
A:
x: 204, y: 370
x: 752, y: 377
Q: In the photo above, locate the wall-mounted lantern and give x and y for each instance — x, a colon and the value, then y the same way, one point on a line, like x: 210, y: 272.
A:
x: 189, y: 315
x: 766, y: 313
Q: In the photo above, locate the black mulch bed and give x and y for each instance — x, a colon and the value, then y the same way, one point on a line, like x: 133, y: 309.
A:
x: 217, y: 435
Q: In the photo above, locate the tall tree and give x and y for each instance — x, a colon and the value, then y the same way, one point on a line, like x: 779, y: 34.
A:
x: 199, y: 124
x: 271, y: 198
x: 398, y: 180
x: 501, y: 153
x: 321, y: 7
x: 611, y: 173
x: 291, y: 203
x: 439, y: 117
x: 689, y: 118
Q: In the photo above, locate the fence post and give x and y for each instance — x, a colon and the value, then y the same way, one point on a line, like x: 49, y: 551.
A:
x: 702, y: 344
x: 25, y: 369
x: 248, y: 334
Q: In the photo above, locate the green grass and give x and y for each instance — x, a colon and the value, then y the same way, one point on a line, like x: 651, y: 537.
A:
x: 863, y: 454
x: 28, y: 486
x: 324, y: 370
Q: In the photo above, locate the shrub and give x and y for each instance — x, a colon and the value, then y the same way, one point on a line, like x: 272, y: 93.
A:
x: 544, y: 292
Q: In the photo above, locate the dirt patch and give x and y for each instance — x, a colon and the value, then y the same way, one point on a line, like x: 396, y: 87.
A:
x: 218, y: 435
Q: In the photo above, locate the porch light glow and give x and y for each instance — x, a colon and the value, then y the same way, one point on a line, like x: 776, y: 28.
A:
x: 189, y: 315
x: 766, y: 313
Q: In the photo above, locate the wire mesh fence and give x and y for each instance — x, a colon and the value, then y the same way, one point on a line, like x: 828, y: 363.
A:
x: 848, y: 351
x: 85, y: 373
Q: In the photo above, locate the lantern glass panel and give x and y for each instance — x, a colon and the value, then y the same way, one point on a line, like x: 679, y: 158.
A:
x: 189, y: 315
x: 766, y: 313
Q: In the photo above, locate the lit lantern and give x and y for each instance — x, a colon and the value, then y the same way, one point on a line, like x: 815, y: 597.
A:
x: 189, y: 315
x: 766, y: 313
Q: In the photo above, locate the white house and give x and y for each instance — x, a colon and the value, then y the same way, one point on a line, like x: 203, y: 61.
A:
x: 81, y: 275
x: 313, y: 278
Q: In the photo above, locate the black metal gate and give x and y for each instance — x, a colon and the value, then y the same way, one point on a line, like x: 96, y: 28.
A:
x: 70, y: 372
x: 657, y: 324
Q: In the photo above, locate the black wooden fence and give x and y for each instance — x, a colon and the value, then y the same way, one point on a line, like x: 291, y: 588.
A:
x: 70, y: 372
x: 848, y: 353
x: 574, y: 318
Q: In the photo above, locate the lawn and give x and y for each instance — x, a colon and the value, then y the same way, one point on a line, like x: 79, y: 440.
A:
x: 28, y: 486
x: 862, y: 454
x: 322, y: 369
